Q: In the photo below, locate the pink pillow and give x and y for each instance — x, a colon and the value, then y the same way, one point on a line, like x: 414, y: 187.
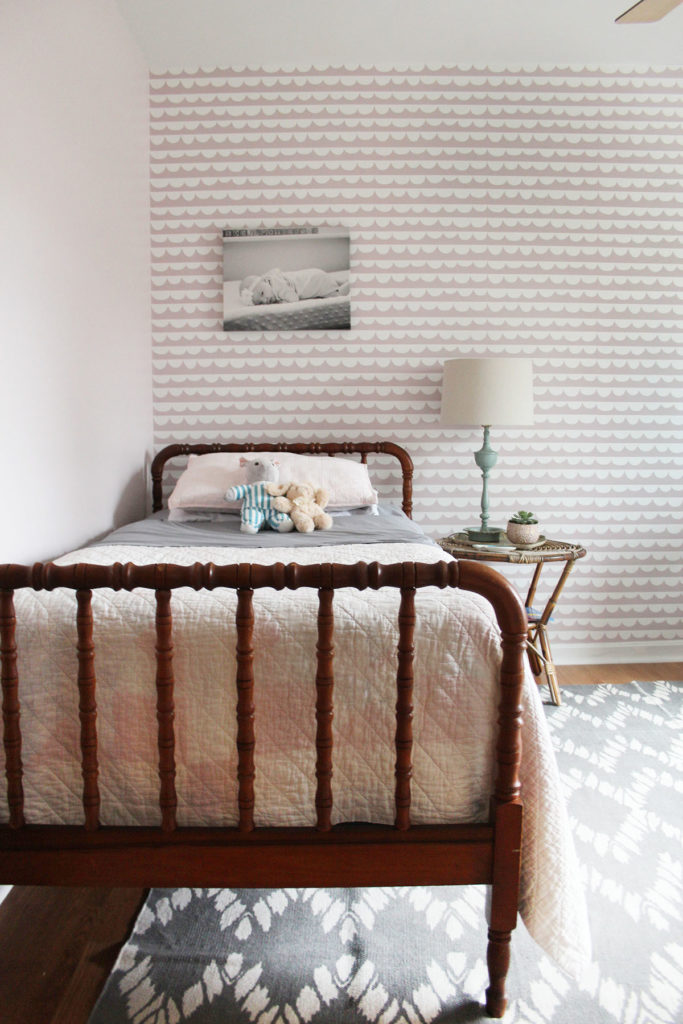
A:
x: 207, y: 478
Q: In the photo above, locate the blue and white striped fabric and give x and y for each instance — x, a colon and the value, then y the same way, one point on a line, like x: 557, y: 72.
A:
x: 257, y: 508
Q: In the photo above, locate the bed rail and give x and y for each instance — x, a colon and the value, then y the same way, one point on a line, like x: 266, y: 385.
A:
x: 245, y: 855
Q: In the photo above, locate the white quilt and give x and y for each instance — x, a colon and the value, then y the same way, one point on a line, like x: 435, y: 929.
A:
x: 457, y: 658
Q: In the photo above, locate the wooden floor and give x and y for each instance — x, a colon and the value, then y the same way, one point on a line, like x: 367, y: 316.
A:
x: 575, y: 675
x: 57, y: 946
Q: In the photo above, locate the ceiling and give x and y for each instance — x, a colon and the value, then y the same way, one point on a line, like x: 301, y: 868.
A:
x: 185, y: 35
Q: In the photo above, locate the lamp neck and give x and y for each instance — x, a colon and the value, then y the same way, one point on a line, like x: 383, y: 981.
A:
x: 486, y: 459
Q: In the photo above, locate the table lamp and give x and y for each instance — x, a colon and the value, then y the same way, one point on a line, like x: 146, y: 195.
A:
x: 487, y: 392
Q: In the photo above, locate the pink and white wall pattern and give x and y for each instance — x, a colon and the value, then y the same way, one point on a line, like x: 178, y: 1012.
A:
x: 490, y: 213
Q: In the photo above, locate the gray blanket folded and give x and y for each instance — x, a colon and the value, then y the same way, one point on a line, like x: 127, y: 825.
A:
x: 388, y: 525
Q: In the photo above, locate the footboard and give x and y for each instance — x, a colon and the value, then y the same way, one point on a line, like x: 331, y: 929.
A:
x: 244, y: 855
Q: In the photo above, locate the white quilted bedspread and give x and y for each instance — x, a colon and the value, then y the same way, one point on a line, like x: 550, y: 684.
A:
x: 457, y: 657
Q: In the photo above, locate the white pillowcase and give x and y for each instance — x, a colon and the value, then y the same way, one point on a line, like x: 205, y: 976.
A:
x: 207, y: 478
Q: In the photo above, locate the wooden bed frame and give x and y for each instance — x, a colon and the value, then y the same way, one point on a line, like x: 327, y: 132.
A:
x: 357, y: 854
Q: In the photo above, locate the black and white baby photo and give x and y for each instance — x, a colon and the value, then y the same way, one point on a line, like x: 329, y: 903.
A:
x: 286, y: 279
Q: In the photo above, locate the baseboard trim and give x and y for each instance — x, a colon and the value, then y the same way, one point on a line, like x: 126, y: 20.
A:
x: 617, y: 653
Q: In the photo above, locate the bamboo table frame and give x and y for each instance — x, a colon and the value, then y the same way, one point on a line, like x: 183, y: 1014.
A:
x: 538, y: 640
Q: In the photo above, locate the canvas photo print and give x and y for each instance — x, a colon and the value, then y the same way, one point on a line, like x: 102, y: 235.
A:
x: 286, y: 278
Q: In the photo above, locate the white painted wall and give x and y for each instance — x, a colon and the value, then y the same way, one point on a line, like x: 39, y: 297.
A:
x: 75, y: 355
x: 177, y: 34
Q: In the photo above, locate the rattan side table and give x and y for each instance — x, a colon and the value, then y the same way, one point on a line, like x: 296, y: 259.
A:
x: 538, y: 640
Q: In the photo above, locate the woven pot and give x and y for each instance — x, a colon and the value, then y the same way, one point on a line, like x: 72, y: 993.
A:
x: 523, y: 533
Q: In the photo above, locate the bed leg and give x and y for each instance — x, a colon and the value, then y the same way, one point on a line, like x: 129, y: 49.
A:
x: 498, y: 960
x: 504, y: 899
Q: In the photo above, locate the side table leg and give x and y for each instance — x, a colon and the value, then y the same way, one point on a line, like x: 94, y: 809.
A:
x: 549, y: 665
x: 544, y: 639
x: 532, y: 653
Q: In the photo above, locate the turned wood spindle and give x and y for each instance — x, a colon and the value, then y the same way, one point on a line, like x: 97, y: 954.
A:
x: 245, y: 708
x: 498, y: 963
x: 168, y: 800
x: 324, y: 709
x: 404, y: 707
x: 11, y: 710
x: 87, y: 708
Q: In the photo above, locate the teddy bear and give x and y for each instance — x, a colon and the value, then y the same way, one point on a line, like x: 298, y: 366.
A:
x: 259, y: 495
x: 306, y: 506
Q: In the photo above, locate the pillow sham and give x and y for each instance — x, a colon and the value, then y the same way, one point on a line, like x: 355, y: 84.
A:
x: 207, y: 477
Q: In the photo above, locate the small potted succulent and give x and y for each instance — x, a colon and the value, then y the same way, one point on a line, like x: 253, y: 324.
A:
x: 523, y: 528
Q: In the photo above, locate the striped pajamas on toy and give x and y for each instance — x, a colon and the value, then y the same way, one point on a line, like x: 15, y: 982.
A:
x: 257, y: 508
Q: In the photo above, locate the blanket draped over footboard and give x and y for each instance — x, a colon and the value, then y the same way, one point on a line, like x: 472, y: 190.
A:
x: 552, y: 910
x: 244, y: 579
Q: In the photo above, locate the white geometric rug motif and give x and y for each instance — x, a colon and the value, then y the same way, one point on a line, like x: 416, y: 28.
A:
x: 417, y: 955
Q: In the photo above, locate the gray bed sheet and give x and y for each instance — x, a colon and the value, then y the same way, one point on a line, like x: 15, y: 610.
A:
x: 388, y: 525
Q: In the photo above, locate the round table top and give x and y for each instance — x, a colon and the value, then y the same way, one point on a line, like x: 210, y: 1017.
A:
x: 548, y: 551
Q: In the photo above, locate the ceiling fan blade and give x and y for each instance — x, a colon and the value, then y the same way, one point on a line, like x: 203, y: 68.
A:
x: 647, y: 10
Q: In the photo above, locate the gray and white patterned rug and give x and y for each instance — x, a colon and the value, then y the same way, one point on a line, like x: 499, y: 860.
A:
x: 417, y: 955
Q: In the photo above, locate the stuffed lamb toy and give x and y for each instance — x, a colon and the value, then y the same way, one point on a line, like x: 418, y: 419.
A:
x: 258, y: 497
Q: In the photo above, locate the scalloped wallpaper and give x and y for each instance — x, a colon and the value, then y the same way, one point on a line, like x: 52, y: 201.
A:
x: 490, y: 213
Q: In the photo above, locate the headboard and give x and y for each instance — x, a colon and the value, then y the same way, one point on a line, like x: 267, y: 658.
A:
x: 331, y: 448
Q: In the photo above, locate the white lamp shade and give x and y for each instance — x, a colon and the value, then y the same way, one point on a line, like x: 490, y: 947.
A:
x: 488, y: 391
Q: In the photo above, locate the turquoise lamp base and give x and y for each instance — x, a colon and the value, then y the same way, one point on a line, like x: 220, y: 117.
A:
x: 485, y: 459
